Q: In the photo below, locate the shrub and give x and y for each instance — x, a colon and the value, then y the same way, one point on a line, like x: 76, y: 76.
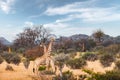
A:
x: 110, y: 75
x: 73, y: 54
x: 8, y: 67
x: 90, y: 56
x: 88, y: 71
x: 48, y: 72
x: 61, y: 59
x: 98, y: 48
x: 107, y: 59
x: 11, y: 58
x: 21, y: 50
x: 76, y: 63
x: 66, y: 76
x: 82, y: 77
x: 114, y: 48
x: 26, y: 63
x: 41, y: 68
x: 15, y: 59
x: 1, y: 59
x: 7, y: 57
x: 117, y: 64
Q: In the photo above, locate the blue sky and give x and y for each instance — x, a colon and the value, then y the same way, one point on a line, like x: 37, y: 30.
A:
x: 63, y: 17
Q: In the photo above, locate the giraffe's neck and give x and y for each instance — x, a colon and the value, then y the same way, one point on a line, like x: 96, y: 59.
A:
x: 49, y: 47
x: 47, y: 50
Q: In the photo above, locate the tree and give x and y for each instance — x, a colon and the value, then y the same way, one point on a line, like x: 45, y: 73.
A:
x: 65, y: 44
x: 98, y: 34
x: 2, y: 47
x: 31, y: 37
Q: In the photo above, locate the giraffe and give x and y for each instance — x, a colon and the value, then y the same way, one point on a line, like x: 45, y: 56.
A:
x: 46, y: 59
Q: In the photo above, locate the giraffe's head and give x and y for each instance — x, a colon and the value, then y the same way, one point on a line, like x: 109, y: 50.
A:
x: 52, y: 39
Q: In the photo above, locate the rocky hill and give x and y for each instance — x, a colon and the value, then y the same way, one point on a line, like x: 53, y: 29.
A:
x: 4, y: 41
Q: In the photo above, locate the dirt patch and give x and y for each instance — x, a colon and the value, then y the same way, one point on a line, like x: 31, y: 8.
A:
x: 19, y: 73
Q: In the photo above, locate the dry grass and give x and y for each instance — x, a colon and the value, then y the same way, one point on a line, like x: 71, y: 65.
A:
x: 20, y: 73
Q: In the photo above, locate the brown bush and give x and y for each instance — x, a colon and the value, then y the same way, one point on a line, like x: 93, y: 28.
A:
x: 34, y: 52
x: 1, y: 59
x: 9, y: 68
x: 26, y: 63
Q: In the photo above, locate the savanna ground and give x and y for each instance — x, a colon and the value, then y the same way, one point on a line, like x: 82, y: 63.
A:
x: 20, y: 73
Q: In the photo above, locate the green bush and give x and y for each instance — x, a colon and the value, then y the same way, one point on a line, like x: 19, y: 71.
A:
x: 107, y: 59
x: 66, y: 76
x: 41, y: 68
x: 90, y: 56
x: 76, y: 63
x: 88, y: 71
x: 110, y: 75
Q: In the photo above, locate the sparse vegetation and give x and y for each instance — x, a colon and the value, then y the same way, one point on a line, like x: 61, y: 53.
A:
x: 26, y: 63
x: 15, y: 60
x: 90, y: 56
x: 114, y: 49
x: 76, y: 63
x: 41, y: 68
x: 109, y: 75
x: 11, y: 58
x: 9, y: 68
x: 107, y: 59
x: 117, y: 63
x: 1, y: 59
x: 67, y: 75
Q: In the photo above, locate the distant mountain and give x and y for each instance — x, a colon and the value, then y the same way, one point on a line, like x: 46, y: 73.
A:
x: 106, y: 38
x: 73, y: 37
x: 117, y: 39
x: 4, y: 41
x: 79, y: 37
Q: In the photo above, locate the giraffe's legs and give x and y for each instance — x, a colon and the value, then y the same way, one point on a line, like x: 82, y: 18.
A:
x: 52, y: 65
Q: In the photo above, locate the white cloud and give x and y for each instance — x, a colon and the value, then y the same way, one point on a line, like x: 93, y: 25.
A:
x: 6, y: 5
x: 9, y: 32
x: 56, y: 25
x: 79, y: 10
x: 64, y: 29
x: 28, y: 24
x: 69, y: 8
